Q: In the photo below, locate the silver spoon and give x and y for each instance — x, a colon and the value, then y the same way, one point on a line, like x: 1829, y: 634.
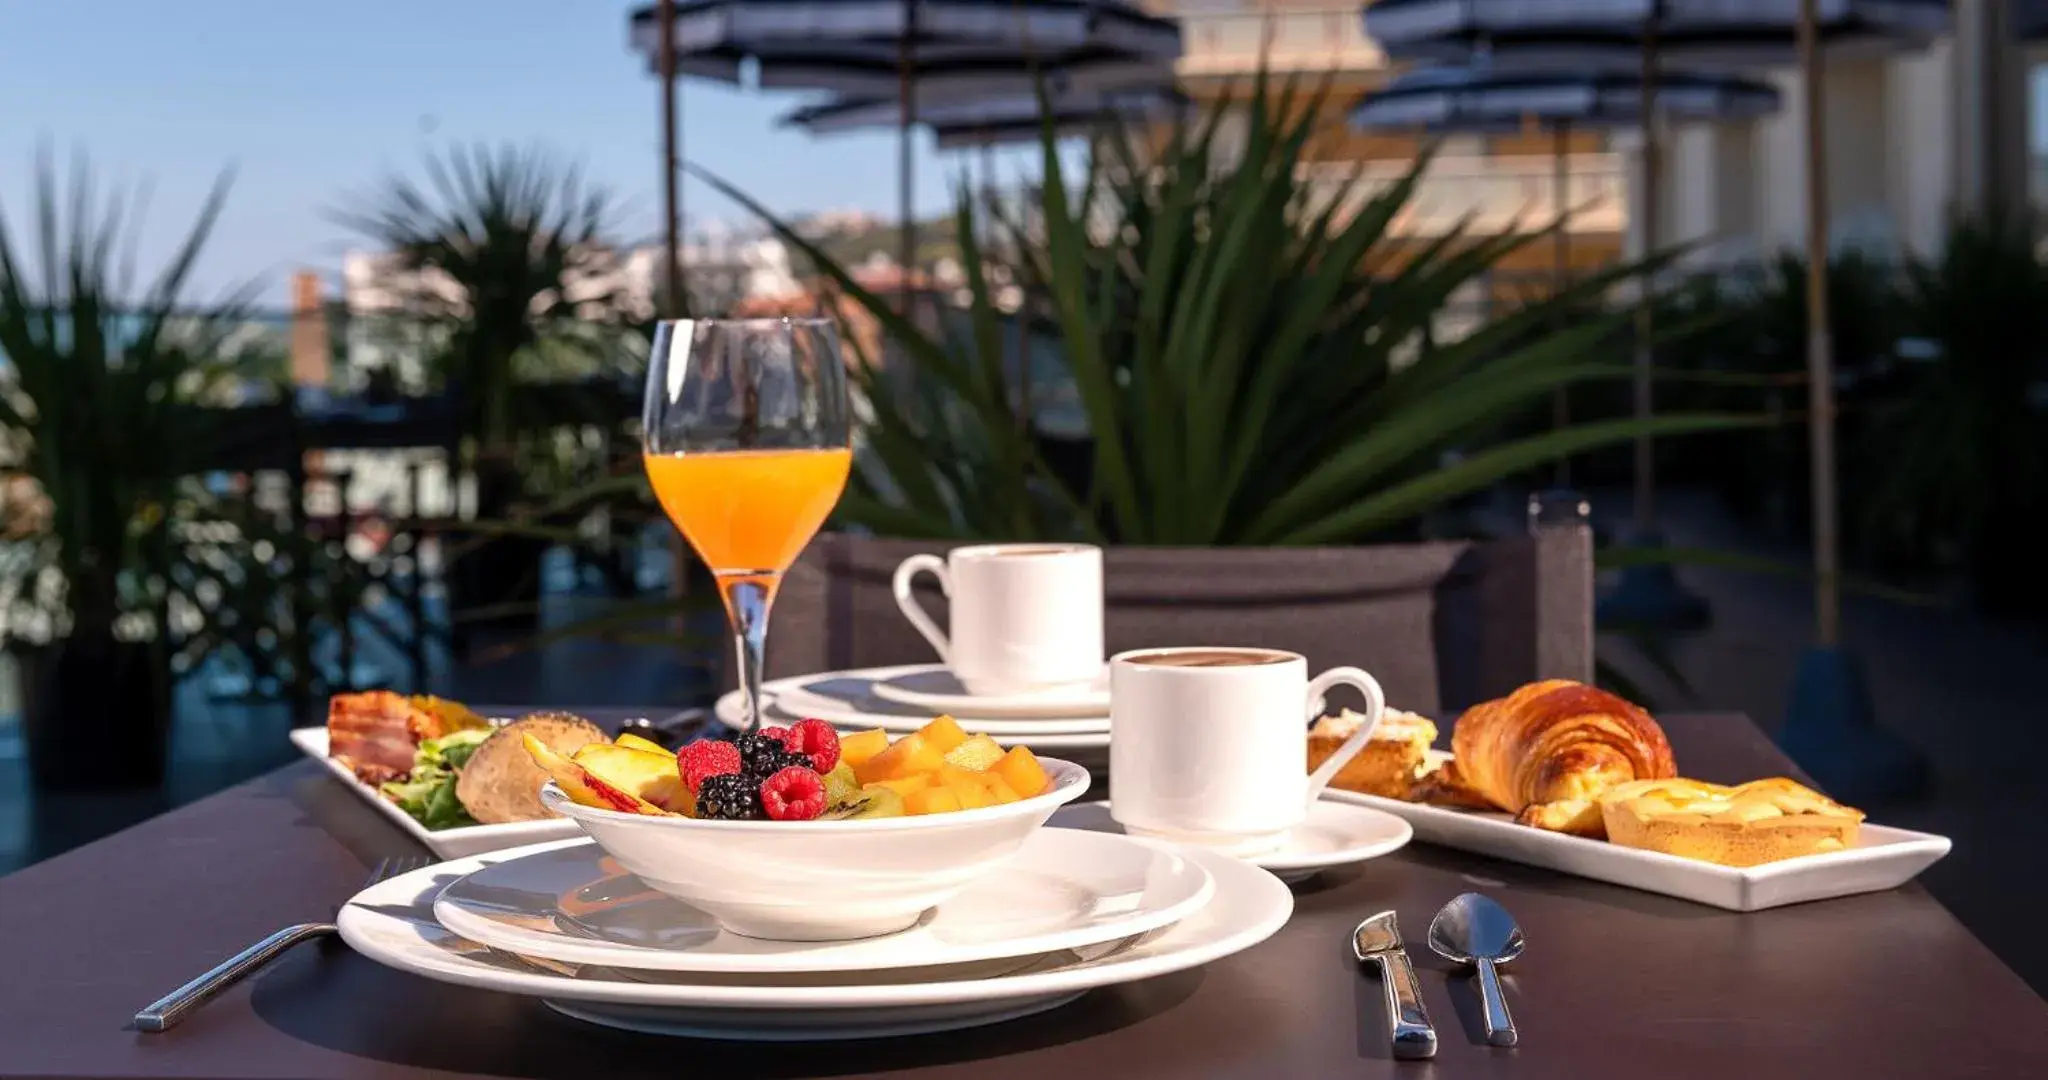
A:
x: 1474, y: 930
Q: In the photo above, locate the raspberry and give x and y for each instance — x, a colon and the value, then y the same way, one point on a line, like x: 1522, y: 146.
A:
x: 729, y: 797
x: 816, y: 740
x: 707, y: 758
x: 794, y: 794
x: 776, y: 733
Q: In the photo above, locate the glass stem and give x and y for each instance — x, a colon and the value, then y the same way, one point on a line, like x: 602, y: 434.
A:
x: 747, y: 600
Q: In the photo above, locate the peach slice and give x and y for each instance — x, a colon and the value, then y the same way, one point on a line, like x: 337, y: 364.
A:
x: 635, y: 742
x: 583, y: 786
x: 650, y: 775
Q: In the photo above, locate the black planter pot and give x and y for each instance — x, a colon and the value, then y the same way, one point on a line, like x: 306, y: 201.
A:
x: 96, y: 713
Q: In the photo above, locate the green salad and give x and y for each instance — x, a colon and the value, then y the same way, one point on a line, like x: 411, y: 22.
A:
x: 428, y: 792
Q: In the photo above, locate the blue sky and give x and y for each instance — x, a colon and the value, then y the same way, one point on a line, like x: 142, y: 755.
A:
x: 312, y: 101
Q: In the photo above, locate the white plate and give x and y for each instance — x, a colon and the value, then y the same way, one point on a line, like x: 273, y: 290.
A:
x: 855, y: 692
x: 934, y: 687
x: 447, y: 843
x: 1065, y: 889
x: 785, y: 707
x: 1335, y: 834
x: 1883, y: 858
x: 392, y: 923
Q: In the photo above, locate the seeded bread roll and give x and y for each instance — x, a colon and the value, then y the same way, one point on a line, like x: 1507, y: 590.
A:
x: 501, y: 782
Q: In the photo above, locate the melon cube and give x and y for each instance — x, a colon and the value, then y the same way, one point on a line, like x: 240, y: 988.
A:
x: 976, y: 754
x: 972, y: 788
x: 910, y: 755
x: 1020, y: 769
x: 932, y: 800
x: 943, y: 733
x: 905, y: 786
x: 856, y: 750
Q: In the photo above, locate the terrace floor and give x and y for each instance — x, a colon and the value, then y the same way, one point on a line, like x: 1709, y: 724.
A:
x: 1962, y: 689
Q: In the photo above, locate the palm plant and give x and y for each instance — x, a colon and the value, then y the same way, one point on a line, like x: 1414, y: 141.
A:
x: 1256, y: 355
x: 103, y: 429
x: 509, y: 250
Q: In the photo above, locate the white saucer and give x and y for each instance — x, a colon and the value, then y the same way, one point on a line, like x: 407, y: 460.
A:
x: 935, y: 687
x: 1335, y: 834
x: 1065, y: 889
x: 787, y: 703
x: 392, y: 923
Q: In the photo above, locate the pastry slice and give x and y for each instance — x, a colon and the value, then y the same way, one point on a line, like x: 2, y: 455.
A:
x: 1747, y: 825
x: 1388, y: 764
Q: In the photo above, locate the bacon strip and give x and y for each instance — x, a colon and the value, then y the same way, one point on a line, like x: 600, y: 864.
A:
x: 375, y: 733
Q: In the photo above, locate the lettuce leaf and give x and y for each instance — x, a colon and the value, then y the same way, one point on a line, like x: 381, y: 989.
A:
x: 427, y: 794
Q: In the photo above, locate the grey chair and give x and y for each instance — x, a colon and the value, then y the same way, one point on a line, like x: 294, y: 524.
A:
x: 1440, y: 625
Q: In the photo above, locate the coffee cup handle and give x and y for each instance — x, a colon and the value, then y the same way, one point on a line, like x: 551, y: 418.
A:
x: 1375, y: 707
x: 907, y: 600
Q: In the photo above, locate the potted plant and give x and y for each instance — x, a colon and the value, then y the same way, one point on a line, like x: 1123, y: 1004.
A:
x: 102, y: 432
x: 508, y: 250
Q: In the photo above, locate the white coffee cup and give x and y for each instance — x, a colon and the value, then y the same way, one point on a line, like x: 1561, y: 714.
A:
x: 1210, y: 745
x: 1025, y: 617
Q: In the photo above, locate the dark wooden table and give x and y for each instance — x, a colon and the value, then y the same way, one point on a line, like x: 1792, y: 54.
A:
x: 1615, y: 983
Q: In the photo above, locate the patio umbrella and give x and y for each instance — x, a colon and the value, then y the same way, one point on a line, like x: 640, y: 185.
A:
x: 1481, y: 98
x: 1829, y: 727
x: 948, y: 50
x: 1721, y: 33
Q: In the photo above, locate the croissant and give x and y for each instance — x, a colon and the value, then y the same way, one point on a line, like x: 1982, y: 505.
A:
x: 1546, y: 752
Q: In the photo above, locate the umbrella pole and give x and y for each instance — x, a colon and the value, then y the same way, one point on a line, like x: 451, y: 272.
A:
x: 1561, y: 268
x: 1645, y: 448
x: 1831, y: 724
x: 1819, y: 343
x: 906, y: 92
x: 671, y: 180
x: 1649, y: 593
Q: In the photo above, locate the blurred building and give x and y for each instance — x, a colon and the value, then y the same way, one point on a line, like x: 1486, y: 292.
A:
x: 1500, y: 179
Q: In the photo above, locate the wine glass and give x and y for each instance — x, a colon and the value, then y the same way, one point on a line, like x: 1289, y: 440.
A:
x: 747, y: 443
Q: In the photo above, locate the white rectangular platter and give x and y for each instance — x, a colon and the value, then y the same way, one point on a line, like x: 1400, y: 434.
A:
x: 447, y: 843
x: 1884, y: 858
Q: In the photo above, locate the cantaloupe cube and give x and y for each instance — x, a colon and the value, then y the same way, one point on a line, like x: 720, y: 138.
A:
x: 932, y: 800
x: 973, y: 788
x: 976, y: 754
x: 1020, y: 769
x: 943, y: 733
x: 905, y: 786
x: 857, y: 749
x: 999, y: 788
x: 908, y: 756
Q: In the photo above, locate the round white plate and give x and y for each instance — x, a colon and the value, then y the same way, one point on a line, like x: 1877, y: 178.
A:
x: 934, y: 687
x: 392, y: 923
x: 785, y: 707
x: 1335, y: 834
x: 1064, y: 889
x: 854, y: 693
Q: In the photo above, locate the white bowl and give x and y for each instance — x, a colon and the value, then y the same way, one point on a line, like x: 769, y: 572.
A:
x: 820, y: 880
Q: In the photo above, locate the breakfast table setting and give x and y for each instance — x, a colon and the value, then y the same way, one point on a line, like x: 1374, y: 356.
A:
x: 1028, y: 856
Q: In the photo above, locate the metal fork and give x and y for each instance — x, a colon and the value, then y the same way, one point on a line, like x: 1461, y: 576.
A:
x: 175, y: 1006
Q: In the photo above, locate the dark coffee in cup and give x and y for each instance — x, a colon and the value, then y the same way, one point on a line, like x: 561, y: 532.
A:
x: 1209, y: 658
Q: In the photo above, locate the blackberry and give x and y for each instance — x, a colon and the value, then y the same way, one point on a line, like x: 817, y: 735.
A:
x: 730, y: 797
x: 762, y: 756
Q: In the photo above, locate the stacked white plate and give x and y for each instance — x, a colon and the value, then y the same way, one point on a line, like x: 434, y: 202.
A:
x: 903, y: 699
x: 1072, y: 911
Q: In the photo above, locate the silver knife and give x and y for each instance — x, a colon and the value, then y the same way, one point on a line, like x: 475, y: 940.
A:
x: 1378, y: 940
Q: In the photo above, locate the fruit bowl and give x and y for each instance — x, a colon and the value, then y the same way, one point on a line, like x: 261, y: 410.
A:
x: 821, y: 880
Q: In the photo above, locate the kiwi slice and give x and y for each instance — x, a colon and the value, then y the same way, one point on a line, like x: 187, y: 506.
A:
x: 841, y: 788
x: 875, y: 802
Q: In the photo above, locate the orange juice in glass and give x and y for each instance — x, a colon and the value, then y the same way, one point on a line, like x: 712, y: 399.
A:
x: 747, y: 445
